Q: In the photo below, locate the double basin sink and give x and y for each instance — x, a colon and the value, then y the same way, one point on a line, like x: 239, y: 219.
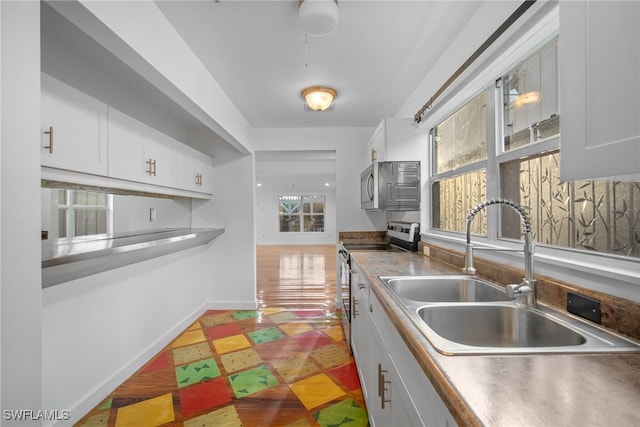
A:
x: 468, y: 315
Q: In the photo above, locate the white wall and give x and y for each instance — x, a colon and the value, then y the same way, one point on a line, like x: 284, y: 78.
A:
x: 349, y: 145
x: 268, y: 230
x: 20, y: 273
x: 98, y: 330
x: 131, y: 213
x: 231, y: 262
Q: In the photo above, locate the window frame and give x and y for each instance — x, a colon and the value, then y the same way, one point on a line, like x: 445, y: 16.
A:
x: 609, y: 273
x: 69, y: 208
x: 301, y: 214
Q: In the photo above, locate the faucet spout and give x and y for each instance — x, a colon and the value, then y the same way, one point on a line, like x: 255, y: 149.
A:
x: 527, y: 287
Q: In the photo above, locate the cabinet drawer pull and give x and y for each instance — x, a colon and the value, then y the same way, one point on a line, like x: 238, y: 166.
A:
x: 354, y: 304
x: 382, y: 381
x: 50, y: 133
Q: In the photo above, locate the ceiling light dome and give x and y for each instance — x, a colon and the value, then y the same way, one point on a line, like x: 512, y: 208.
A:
x: 319, y: 98
x: 319, y: 17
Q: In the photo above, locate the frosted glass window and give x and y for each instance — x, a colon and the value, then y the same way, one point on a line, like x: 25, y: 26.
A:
x: 462, y: 138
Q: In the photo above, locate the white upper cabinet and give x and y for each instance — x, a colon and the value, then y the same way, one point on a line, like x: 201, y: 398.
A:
x: 396, y: 140
x: 138, y: 152
x: 599, y: 89
x: 160, y: 158
x: 126, y: 147
x: 74, y: 129
x: 194, y: 170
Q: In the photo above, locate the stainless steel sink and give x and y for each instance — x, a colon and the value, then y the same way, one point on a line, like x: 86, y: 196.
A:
x: 445, y: 289
x: 497, y: 326
x: 509, y: 328
x: 467, y: 315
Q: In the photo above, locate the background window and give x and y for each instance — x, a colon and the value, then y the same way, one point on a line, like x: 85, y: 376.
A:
x: 307, y: 211
x: 83, y: 213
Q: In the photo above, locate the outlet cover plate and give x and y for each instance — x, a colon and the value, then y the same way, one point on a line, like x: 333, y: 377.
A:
x: 584, y: 307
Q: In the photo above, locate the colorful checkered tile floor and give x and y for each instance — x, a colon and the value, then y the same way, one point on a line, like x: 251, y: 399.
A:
x: 267, y: 367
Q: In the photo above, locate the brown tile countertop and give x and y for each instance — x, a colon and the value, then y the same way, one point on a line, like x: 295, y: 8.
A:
x: 513, y: 390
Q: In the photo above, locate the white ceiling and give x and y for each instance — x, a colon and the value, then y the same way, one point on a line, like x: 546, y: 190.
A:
x: 259, y: 53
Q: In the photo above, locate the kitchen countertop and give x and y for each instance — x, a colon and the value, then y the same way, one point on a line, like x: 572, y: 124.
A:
x: 63, y: 261
x: 512, y: 390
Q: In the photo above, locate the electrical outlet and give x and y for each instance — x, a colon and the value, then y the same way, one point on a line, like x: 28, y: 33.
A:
x: 152, y: 214
x: 426, y: 250
x: 585, y: 307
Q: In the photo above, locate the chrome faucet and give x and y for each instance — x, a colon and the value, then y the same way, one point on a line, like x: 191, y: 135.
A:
x: 526, y: 289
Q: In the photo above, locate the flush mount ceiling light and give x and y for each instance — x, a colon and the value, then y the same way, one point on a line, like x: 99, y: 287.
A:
x: 319, y: 98
x: 319, y: 17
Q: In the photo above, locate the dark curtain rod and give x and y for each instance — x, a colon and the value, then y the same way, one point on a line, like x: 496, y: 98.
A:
x: 492, y: 38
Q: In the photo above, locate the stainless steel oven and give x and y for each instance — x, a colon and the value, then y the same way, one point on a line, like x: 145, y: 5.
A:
x: 344, y: 289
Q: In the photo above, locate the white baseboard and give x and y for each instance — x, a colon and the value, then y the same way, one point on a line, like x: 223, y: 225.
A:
x: 83, y: 407
x: 232, y: 305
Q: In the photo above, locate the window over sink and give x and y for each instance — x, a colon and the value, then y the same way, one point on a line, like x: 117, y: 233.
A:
x: 518, y: 116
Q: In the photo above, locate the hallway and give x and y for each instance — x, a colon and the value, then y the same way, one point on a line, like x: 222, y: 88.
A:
x: 284, y: 364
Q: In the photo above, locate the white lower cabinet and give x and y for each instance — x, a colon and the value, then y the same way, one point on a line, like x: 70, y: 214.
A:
x: 396, y: 389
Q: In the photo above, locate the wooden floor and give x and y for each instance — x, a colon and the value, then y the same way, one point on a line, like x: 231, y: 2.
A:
x: 296, y: 276
x: 284, y: 364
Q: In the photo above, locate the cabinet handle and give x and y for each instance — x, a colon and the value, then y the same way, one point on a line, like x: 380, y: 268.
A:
x: 199, y: 179
x: 374, y: 155
x: 50, y: 133
x: 361, y: 285
x: 382, y: 381
x: 354, y: 310
x: 151, y: 167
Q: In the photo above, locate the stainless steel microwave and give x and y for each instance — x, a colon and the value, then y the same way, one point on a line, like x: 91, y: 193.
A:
x: 391, y: 186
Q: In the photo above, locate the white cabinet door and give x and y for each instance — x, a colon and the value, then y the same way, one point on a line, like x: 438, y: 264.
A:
x: 396, y: 404
x: 74, y: 127
x: 126, y: 147
x: 599, y: 89
x: 194, y: 170
x: 397, y: 140
x: 160, y: 158
x: 138, y: 152
x: 360, y: 333
x: 404, y: 142
x: 377, y: 146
